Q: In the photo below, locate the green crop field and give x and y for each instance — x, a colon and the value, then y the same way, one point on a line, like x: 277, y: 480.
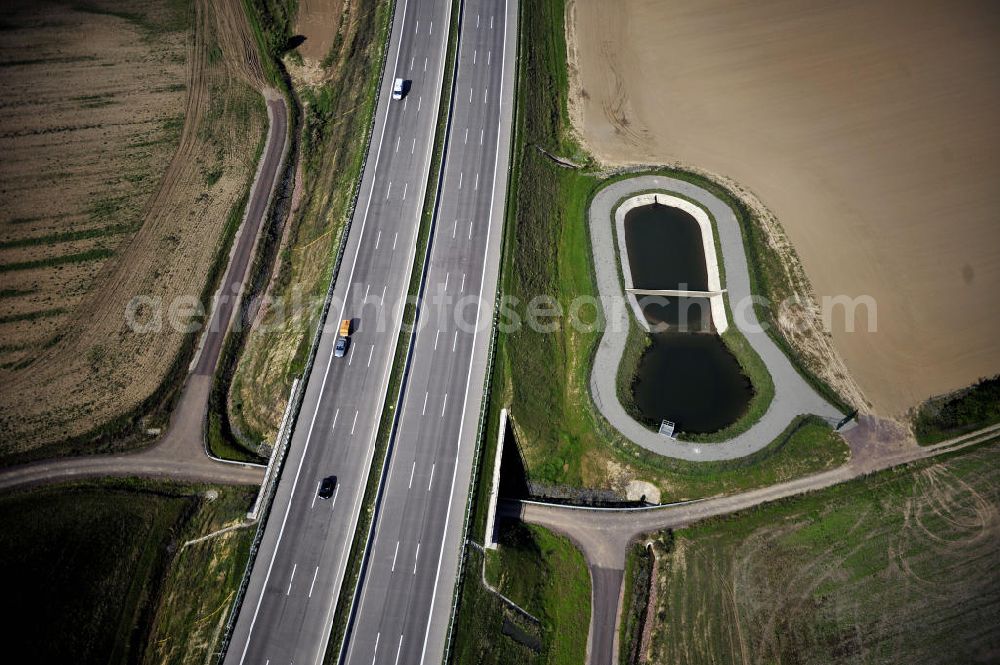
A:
x: 901, y: 567
x: 97, y: 573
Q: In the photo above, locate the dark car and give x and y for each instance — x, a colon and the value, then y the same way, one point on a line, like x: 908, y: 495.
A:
x: 327, y: 487
x: 340, y: 348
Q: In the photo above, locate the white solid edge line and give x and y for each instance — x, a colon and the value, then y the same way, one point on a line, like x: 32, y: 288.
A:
x: 406, y: 396
x: 326, y: 373
x: 468, y: 380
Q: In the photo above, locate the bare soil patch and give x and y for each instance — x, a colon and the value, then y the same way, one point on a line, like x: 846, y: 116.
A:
x: 868, y: 129
x: 130, y: 130
x: 320, y: 21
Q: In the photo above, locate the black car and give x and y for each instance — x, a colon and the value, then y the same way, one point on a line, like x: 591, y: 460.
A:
x: 327, y: 487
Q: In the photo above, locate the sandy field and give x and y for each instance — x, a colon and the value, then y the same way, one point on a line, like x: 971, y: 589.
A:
x: 870, y: 129
x: 129, y: 130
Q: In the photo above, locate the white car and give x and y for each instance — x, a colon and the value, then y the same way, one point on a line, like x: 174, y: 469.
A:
x: 399, y: 88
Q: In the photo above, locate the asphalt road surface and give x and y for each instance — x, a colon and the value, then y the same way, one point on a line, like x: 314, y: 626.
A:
x: 244, y: 247
x: 409, y: 578
x: 288, y: 609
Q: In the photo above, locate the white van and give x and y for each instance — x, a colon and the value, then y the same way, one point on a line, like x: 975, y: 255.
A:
x: 398, y: 89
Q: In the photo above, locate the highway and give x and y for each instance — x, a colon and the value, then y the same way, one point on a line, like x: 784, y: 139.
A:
x: 288, y: 608
x: 404, y: 604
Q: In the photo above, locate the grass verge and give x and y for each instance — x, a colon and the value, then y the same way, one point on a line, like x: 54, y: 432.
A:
x: 104, y: 563
x: 635, y: 603
x: 958, y: 413
x: 546, y: 576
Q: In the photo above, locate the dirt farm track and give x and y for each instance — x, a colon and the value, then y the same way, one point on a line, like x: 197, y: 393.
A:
x: 867, y: 128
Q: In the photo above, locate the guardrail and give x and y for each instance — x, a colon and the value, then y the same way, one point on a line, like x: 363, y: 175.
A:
x: 408, y: 355
x: 612, y: 509
x: 265, y: 497
x: 489, y: 542
x: 295, y: 399
x: 277, y: 452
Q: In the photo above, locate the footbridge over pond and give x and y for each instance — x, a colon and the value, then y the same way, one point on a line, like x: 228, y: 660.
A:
x: 674, y: 292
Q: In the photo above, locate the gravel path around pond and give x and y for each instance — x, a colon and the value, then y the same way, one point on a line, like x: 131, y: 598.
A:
x: 792, y: 395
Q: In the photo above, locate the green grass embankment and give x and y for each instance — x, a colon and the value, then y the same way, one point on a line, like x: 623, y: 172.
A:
x: 547, y: 577
x: 958, y: 413
x: 635, y: 602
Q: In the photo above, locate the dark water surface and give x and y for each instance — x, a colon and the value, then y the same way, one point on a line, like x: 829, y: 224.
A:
x: 664, y: 249
x: 671, y: 313
x: 685, y: 376
x: 693, y: 380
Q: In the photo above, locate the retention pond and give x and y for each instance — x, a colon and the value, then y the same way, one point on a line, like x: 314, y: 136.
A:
x: 665, y: 249
x: 687, y: 374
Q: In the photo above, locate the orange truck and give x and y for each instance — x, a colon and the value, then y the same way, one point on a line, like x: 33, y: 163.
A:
x: 340, y: 346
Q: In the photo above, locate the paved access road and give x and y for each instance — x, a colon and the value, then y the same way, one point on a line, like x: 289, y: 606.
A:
x: 288, y: 608
x: 792, y: 395
x: 406, y: 592
x: 604, y: 535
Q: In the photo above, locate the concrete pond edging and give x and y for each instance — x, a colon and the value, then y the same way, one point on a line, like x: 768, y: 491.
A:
x: 708, y: 244
x: 793, y: 396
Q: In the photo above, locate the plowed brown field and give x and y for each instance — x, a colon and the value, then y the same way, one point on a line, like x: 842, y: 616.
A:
x: 868, y: 128
x: 130, y: 132
x: 320, y: 21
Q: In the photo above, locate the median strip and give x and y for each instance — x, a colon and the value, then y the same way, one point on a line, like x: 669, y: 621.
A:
x: 350, y: 588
